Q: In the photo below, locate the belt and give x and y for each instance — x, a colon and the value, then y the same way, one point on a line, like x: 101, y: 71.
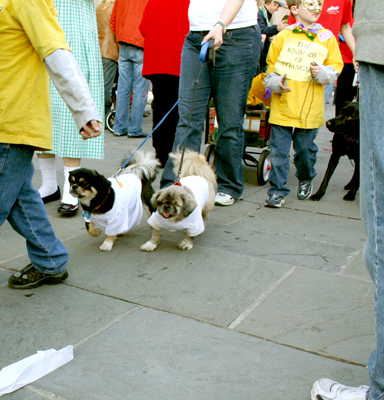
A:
x: 205, y: 33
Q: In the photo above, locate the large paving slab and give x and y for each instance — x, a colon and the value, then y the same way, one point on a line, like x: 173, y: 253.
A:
x: 305, y: 225
x: 50, y: 317
x: 155, y: 355
x: 316, y: 311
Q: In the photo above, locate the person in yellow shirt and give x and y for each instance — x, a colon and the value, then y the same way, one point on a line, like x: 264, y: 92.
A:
x: 301, y: 60
x: 29, y: 51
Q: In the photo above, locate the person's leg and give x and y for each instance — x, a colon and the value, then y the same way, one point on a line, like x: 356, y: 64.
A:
x: 191, y: 69
x: 236, y: 62
x: 109, y: 72
x: 372, y: 204
x: 124, y: 87
x: 280, y: 144
x: 49, y: 191
x: 140, y: 93
x: 305, y: 160
x: 165, y: 91
x: 305, y: 153
x: 22, y: 206
x: 328, y: 89
x: 345, y: 91
x: 69, y: 205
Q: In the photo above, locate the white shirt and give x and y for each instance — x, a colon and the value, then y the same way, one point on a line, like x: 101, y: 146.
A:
x: 193, y: 224
x: 127, y: 211
x: 204, y: 14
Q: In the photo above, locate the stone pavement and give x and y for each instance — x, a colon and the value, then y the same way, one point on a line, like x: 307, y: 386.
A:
x: 268, y: 300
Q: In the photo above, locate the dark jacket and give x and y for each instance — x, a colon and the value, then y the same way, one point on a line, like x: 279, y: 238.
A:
x: 266, y: 30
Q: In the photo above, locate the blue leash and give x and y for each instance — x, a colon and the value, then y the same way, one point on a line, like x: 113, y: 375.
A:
x: 202, y: 59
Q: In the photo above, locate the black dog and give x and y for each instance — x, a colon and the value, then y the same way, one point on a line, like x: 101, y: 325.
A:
x: 346, y: 128
x: 115, y: 204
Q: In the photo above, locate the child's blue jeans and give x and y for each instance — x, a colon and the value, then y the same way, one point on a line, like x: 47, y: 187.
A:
x: 304, y: 159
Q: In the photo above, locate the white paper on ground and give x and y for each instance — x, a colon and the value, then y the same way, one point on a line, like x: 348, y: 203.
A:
x: 30, y: 369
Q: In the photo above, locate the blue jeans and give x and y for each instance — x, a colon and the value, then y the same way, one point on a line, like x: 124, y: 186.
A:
x: 328, y: 89
x: 372, y: 204
x: 130, y: 78
x: 304, y: 159
x: 228, y: 82
x: 22, y: 206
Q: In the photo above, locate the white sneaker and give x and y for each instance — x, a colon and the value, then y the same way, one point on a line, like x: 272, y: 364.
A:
x: 222, y: 199
x: 326, y: 389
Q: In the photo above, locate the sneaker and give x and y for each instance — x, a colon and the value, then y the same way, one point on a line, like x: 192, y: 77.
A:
x: 222, y: 199
x: 304, y: 190
x: 326, y: 389
x: 275, y: 200
x: 29, y: 277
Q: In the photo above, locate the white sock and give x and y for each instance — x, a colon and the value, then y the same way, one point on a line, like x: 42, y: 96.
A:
x: 48, y: 176
x: 67, y: 197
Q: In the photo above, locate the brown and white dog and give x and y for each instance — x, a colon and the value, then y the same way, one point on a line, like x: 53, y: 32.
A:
x: 185, y: 205
x: 115, y: 204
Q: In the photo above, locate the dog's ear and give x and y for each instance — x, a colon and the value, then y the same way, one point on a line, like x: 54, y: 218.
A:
x: 189, y: 204
x: 154, y: 199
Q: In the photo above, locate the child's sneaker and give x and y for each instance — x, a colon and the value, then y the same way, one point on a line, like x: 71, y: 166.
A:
x: 326, y: 389
x: 275, y: 200
x: 304, y: 190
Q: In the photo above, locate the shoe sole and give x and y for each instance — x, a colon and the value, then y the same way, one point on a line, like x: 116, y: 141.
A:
x: 44, y: 281
x: 224, y: 204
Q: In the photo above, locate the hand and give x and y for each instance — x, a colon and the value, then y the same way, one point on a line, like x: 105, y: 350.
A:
x: 281, y: 26
x: 215, y: 33
x: 283, y: 88
x: 91, y: 129
x: 315, y: 69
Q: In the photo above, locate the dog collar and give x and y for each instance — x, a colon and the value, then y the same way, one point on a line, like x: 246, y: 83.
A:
x: 88, y: 214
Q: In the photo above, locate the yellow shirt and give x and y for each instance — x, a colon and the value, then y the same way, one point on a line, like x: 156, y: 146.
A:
x: 292, y: 53
x: 29, y: 32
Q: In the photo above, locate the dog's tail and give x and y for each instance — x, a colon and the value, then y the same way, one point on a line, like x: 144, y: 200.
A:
x: 143, y: 164
x: 193, y: 164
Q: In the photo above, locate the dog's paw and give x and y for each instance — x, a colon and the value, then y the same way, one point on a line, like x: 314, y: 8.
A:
x: 106, y: 246
x: 185, y: 245
x: 350, y: 196
x: 149, y: 246
x: 316, y: 197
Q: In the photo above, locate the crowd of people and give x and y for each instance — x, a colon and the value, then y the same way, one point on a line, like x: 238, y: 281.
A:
x: 85, y: 51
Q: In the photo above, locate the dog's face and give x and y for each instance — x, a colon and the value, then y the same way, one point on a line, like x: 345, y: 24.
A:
x: 86, y: 184
x: 174, y: 203
x: 347, y: 121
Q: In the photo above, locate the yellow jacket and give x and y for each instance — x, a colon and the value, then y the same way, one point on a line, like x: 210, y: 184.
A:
x: 292, y: 53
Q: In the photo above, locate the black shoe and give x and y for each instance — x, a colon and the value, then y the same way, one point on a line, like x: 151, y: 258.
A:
x: 52, y: 197
x: 29, y: 277
x: 136, y: 136
x: 68, y: 209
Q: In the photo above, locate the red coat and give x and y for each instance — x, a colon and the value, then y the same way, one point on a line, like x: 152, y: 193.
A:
x: 125, y: 20
x: 164, y: 26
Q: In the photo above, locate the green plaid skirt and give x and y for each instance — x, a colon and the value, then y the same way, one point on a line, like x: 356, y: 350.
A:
x: 78, y: 20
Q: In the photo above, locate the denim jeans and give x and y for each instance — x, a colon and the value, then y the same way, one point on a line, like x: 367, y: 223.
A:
x: 109, y: 73
x: 372, y: 204
x: 228, y: 82
x: 328, y: 89
x: 130, y: 78
x: 22, y: 206
x: 304, y: 159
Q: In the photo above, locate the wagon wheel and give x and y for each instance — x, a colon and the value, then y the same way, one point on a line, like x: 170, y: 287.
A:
x: 263, y: 168
x: 110, y: 120
x: 210, y: 155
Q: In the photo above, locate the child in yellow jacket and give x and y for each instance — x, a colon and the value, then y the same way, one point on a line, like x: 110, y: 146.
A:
x: 301, y: 60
